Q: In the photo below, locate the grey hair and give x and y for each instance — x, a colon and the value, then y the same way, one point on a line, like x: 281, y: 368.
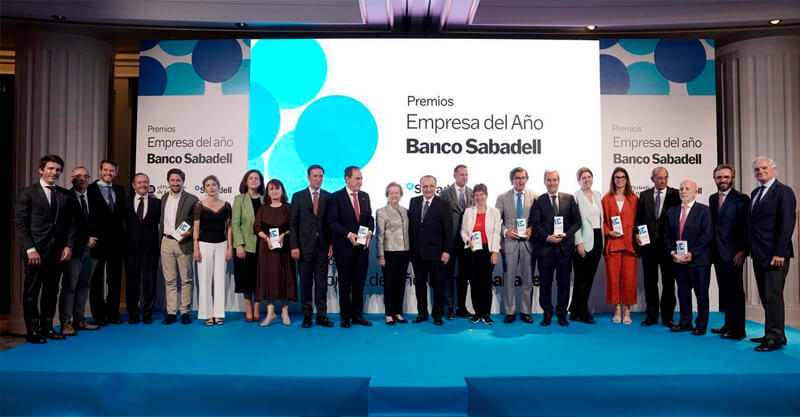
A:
x: 771, y: 161
x: 428, y: 176
x: 550, y: 171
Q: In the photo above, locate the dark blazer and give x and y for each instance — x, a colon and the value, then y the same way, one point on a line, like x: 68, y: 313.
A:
x: 772, y: 222
x: 81, y: 224
x: 104, y: 224
x: 342, y: 219
x: 646, y: 214
x: 730, y: 225
x: 142, y: 237
x: 429, y: 238
x: 697, y: 232
x: 541, y: 220
x: 450, y: 196
x: 185, y: 213
x: 307, y: 230
x: 40, y: 227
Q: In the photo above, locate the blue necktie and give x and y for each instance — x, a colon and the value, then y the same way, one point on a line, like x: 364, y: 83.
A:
x: 110, y: 198
x: 519, y: 205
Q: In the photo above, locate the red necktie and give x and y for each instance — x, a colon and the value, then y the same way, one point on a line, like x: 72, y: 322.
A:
x: 315, y: 203
x: 683, y: 221
x: 721, y: 199
x: 355, y: 205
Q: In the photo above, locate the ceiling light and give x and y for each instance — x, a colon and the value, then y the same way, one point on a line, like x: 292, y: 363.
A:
x: 241, y: 25
x: 58, y: 17
x: 591, y: 27
x: 775, y: 21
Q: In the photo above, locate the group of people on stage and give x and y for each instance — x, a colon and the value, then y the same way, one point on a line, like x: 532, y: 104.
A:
x: 89, y: 232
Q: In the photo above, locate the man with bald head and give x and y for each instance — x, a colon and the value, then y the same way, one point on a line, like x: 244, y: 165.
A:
x: 772, y: 220
x: 690, y: 224
x: 653, y: 204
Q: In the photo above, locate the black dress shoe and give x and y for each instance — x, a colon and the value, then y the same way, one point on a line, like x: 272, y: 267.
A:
x: 720, y: 330
x: 99, y: 323
x: 171, y: 318
x: 475, y: 318
x: 768, y: 345
x: 115, y: 320
x: 401, y: 321
x: 525, y: 318
x: 147, y: 320
x: 681, y: 328
x: 360, y: 321
x: 698, y: 331
x: 486, y: 319
x: 509, y: 318
x: 574, y: 317
x: 669, y: 323
x: 649, y: 322
x: 451, y: 315
x: 345, y: 324
x: 420, y: 319
x: 438, y: 321
x: 546, y: 320
x: 307, y: 322
x: 185, y: 319
x: 324, y: 322
x: 763, y: 339
x: 390, y: 323
x: 562, y: 321
x: 463, y: 314
x: 733, y: 336
x: 51, y: 334
x: 587, y: 319
x: 35, y: 337
x: 133, y: 320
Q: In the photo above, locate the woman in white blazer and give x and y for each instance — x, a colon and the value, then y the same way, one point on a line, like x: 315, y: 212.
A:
x: 487, y: 221
x: 588, y: 245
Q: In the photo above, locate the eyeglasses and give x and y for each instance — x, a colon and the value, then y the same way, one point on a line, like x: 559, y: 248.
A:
x: 87, y: 176
x: 520, y: 178
x: 620, y: 177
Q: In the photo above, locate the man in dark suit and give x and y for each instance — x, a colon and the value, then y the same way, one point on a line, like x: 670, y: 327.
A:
x: 350, y: 209
x: 459, y: 197
x: 106, y: 230
x: 729, y: 212
x: 690, y: 223
x: 142, y: 212
x: 653, y: 203
x: 43, y: 219
x: 310, y: 240
x: 431, y: 240
x: 554, y: 250
x: 78, y: 271
x: 772, y: 220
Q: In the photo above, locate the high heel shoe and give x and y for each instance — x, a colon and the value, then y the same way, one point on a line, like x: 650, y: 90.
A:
x: 286, y: 320
x: 617, y: 315
x: 627, y: 318
x: 267, y: 320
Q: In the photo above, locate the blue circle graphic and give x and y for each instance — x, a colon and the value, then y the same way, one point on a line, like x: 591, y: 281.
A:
x: 152, y: 77
x: 265, y: 120
x: 614, y: 78
x: 178, y: 48
x: 646, y: 80
x: 239, y: 83
x: 183, y: 81
x: 217, y: 60
x: 293, y: 70
x: 607, y: 43
x: 680, y: 60
x: 147, y: 45
x: 256, y: 163
x: 705, y: 84
x: 285, y: 164
x: 336, y: 132
x: 639, y: 46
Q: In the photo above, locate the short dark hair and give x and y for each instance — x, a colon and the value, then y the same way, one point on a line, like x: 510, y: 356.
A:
x: 243, y: 185
x: 110, y: 162
x: 348, y: 172
x: 277, y: 183
x: 141, y: 173
x: 480, y: 188
x: 51, y: 158
x: 612, y: 189
x: 514, y: 172
x: 459, y: 166
x: 725, y: 166
x: 176, y: 171
x: 313, y: 167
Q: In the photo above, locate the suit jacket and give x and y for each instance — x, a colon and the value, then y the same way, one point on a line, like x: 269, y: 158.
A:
x: 242, y: 223
x: 627, y: 243
x: 342, y: 220
x: 585, y: 234
x: 450, y: 196
x: 185, y: 213
x: 306, y: 230
x: 391, y: 229
x: 142, y: 237
x: 40, y: 227
x: 493, y: 224
x: 772, y: 223
x: 507, y: 204
x: 646, y: 214
x: 542, y: 221
x: 105, y: 225
x: 81, y: 225
x: 434, y: 235
x: 697, y: 232
x: 729, y: 225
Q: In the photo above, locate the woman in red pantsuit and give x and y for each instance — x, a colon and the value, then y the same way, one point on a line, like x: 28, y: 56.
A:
x: 619, y: 252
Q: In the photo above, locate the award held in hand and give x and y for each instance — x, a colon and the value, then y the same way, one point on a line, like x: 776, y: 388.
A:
x: 476, y: 241
x: 681, y: 248
x: 362, y: 235
x: 616, y: 223
x: 178, y: 233
x: 558, y: 225
x: 522, y: 227
x: 274, y: 239
x: 644, y: 235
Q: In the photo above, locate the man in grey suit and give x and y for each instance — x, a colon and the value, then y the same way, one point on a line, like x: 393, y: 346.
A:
x: 459, y: 196
x: 177, y: 206
x: 517, y: 250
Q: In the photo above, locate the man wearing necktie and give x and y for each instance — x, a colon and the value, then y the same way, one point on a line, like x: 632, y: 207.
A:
x: 107, y: 232
x: 459, y: 197
x: 653, y: 203
x: 690, y: 222
x: 43, y: 220
x: 142, y: 214
x: 517, y: 251
x: 78, y: 271
x: 729, y: 247
x: 772, y: 220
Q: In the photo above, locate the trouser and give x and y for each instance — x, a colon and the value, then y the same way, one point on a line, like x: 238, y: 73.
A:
x: 651, y: 263
x: 75, y: 287
x: 456, y: 303
x: 431, y: 272
x: 621, y: 278
x: 695, y: 278
x: 140, y: 273
x: 479, y: 265
x: 770, y: 281
x: 394, y: 281
x: 585, y: 269
x: 174, y: 264
x: 517, y: 262
x: 45, y: 278
x: 107, y: 272
x: 561, y: 265
x: 731, y: 293
x: 314, y: 280
x: 211, y: 280
x: 352, y: 273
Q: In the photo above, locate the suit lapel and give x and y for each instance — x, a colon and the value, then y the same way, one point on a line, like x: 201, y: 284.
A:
x: 181, y: 203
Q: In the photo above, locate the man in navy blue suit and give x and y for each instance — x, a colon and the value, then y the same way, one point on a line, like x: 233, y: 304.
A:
x: 350, y: 209
x: 772, y: 220
x: 690, y: 223
x: 729, y: 211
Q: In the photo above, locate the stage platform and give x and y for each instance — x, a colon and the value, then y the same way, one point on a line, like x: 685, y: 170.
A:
x: 413, y: 369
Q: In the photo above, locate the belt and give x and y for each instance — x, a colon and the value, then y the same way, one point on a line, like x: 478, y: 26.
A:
x: 168, y: 236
